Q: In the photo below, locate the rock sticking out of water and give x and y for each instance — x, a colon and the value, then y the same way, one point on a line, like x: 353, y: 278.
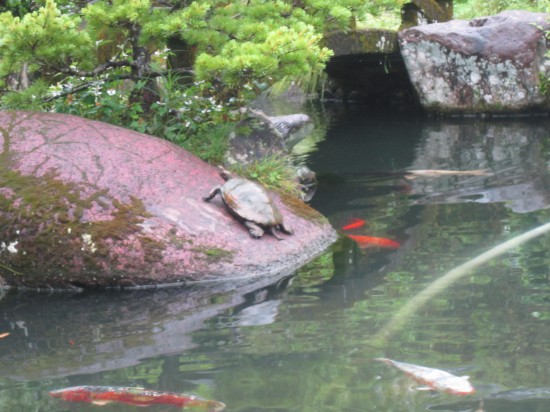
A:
x: 86, y: 204
x: 489, y: 65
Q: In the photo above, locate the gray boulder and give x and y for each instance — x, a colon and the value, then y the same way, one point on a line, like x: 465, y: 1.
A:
x: 259, y: 136
x: 487, y: 65
x: 293, y: 127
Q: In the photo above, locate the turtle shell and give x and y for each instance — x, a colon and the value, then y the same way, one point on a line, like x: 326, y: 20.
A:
x: 251, y: 202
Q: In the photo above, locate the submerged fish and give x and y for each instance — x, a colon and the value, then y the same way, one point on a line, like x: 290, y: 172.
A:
x: 435, y: 379
x: 411, y: 174
x: 369, y: 241
x: 354, y: 224
x: 102, y: 395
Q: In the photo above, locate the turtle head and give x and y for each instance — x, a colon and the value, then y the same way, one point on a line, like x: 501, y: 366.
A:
x: 224, y: 173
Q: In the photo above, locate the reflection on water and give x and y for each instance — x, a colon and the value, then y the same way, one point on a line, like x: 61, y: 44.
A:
x: 512, y: 153
x: 306, y: 343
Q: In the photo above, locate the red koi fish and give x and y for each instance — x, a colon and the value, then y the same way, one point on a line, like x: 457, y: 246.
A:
x: 102, y: 395
x: 435, y: 379
x: 354, y: 224
x: 368, y: 241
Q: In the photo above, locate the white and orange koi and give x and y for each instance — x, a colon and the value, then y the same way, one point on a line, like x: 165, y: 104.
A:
x: 434, y: 379
x: 413, y: 174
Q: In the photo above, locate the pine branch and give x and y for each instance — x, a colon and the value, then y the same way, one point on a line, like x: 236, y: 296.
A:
x: 71, y: 71
x: 87, y: 85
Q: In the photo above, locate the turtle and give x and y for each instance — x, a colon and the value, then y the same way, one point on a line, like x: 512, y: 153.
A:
x: 251, y: 203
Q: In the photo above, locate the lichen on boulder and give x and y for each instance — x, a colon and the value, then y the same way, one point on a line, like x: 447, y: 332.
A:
x: 489, y: 65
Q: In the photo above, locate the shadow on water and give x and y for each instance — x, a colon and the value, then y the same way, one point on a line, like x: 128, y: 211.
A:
x: 304, y: 343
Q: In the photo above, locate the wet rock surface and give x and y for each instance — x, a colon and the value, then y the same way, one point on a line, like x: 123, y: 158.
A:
x: 487, y: 65
x: 86, y: 204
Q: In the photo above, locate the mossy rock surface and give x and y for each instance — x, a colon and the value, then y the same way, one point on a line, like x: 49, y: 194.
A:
x: 85, y: 204
x: 362, y: 41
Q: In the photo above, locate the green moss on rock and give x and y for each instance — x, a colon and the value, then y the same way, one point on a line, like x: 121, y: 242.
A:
x: 302, y: 209
x: 46, y: 236
x: 214, y: 254
x: 362, y: 41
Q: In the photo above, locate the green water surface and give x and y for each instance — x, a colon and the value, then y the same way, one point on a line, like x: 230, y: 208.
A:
x: 308, y: 342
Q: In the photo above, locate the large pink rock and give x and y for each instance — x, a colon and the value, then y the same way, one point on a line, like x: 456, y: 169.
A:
x: 87, y: 204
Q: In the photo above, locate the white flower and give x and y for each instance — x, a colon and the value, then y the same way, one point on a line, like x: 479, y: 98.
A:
x: 111, y: 92
x: 87, y: 243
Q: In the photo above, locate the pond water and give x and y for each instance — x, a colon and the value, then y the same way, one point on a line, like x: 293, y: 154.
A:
x: 307, y: 343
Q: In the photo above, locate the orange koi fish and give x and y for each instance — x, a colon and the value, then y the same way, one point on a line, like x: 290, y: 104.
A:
x: 435, y: 379
x: 368, y: 241
x: 354, y: 224
x: 102, y: 395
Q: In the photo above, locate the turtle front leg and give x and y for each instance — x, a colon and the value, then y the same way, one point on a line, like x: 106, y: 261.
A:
x: 213, y: 193
x: 274, y: 233
x: 286, y: 230
x: 255, y: 231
